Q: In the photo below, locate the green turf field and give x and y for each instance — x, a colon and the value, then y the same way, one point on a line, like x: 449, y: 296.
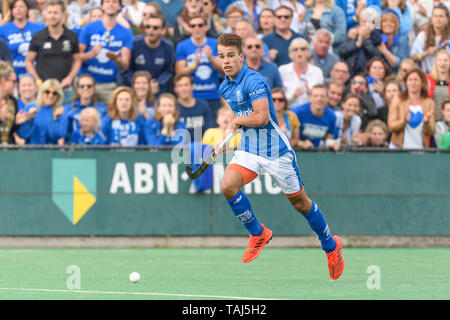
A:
x: 207, y: 274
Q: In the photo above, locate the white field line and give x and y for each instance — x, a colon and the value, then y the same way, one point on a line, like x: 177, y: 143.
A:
x: 136, y: 293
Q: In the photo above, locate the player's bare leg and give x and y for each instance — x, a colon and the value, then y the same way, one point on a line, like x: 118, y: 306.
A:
x: 234, y: 179
x: 311, y: 212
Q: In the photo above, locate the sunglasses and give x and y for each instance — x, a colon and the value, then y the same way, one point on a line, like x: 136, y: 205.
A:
x: 200, y: 25
x: 278, y: 99
x: 89, y: 86
x: 284, y: 17
x: 152, y: 27
x: 300, y: 48
x: 257, y: 46
x: 54, y: 93
x: 361, y: 83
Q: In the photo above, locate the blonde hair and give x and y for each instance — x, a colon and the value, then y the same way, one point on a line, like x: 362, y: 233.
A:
x: 94, y: 113
x: 45, y: 86
x: 377, y: 123
x: 5, y: 70
x: 112, y: 107
x: 311, y: 3
x: 299, y: 42
x: 434, y: 73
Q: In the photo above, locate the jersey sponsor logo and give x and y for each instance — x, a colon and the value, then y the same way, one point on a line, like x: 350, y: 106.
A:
x: 256, y: 92
x: 66, y: 46
x: 244, y: 113
x: 140, y: 60
x: 159, y: 61
x: 19, y: 37
x: 106, y: 72
x: 203, y: 72
x: 314, y: 131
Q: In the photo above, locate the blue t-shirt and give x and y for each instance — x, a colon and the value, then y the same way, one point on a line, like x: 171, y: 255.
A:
x: 25, y: 107
x: 123, y: 132
x: 313, y: 128
x: 247, y: 87
x: 101, y: 67
x: 80, y: 138
x: 155, y: 137
x: 18, y: 41
x: 198, y: 116
x: 206, y: 79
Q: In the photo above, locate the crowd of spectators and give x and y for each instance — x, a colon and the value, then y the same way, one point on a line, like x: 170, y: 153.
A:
x: 343, y: 73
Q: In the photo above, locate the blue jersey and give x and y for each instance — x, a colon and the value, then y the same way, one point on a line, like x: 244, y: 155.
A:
x: 247, y: 87
x: 314, y: 128
x: 73, y: 110
x: 18, y: 41
x: 123, y: 132
x: 78, y: 137
x: 101, y: 67
x: 206, y: 80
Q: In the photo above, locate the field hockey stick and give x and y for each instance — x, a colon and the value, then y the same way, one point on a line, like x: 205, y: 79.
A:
x: 207, y: 162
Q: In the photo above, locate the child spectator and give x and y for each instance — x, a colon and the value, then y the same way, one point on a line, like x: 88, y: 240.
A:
x: 348, y: 122
x: 85, y: 96
x: 376, y: 134
x: 442, y: 126
x: 123, y: 126
x: 89, y: 132
x: 360, y: 86
x: 48, y: 123
x: 27, y: 90
x: 142, y: 89
x: 165, y: 128
x: 212, y: 136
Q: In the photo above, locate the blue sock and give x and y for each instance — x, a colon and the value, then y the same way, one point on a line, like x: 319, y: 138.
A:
x: 318, y: 224
x: 242, y: 209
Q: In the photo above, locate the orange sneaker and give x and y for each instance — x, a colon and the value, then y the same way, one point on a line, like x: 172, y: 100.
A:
x: 256, y: 244
x: 336, y: 260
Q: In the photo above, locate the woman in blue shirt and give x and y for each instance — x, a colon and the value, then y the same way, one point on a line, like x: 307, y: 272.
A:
x: 165, y: 128
x: 85, y: 96
x: 46, y: 124
x: 18, y: 34
x: 122, y: 126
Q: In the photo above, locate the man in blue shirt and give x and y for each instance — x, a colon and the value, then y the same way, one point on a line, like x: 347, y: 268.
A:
x: 195, y: 113
x: 197, y: 55
x: 317, y: 121
x: 253, y: 59
x: 263, y: 147
x: 153, y: 53
x: 106, y: 47
x: 279, y: 40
